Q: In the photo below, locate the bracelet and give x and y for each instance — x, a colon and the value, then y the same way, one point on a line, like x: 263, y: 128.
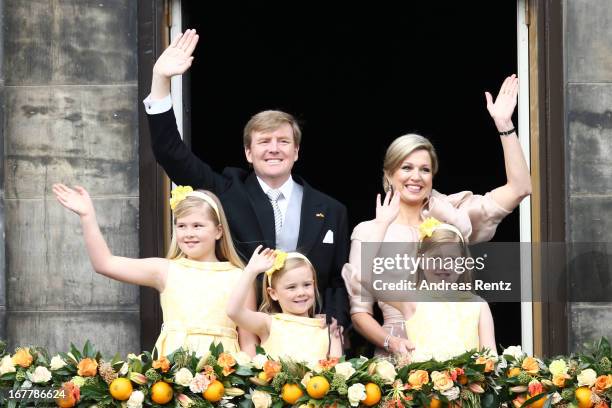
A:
x: 386, y: 343
x: 508, y: 132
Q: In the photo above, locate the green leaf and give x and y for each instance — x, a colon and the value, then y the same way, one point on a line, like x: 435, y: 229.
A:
x: 246, y: 403
x: 244, y: 371
x: 278, y: 404
x: 76, y: 353
x: 489, y: 400
x: 88, y: 350
x: 260, y: 350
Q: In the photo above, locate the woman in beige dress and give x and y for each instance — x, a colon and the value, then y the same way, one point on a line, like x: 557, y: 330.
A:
x: 409, y: 166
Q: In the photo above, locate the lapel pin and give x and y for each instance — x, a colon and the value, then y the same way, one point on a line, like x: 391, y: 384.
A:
x: 320, y: 215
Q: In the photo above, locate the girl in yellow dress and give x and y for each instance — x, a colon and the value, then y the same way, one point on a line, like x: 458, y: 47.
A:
x: 201, y: 260
x: 460, y: 321
x: 286, y: 323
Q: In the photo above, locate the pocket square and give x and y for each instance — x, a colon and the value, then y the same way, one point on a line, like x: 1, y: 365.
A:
x: 329, y: 237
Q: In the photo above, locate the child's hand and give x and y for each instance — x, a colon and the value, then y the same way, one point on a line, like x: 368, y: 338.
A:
x: 76, y: 200
x: 261, y: 261
x: 335, y: 329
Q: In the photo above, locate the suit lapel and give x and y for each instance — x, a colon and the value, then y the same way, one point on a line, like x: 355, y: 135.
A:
x: 263, y: 209
x: 312, y: 219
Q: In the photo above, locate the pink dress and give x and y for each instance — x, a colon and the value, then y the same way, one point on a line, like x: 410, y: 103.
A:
x: 475, y: 216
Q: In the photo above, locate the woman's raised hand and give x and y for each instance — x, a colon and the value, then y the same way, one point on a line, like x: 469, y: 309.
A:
x: 502, y: 108
x: 261, y: 260
x: 176, y: 59
x: 388, y: 209
x: 76, y: 199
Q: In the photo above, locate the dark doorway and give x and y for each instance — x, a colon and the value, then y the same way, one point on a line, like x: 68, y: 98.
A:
x: 358, y: 76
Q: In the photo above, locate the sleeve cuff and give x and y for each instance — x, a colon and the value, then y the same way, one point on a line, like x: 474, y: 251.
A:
x: 154, y: 107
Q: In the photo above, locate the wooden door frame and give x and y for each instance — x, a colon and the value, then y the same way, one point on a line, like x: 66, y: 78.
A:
x: 547, y: 130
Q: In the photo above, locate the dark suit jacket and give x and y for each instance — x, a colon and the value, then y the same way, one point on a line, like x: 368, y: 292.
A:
x: 250, y: 214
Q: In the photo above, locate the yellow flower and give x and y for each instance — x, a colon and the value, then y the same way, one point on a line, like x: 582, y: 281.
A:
x: 179, y: 194
x: 88, y: 367
x: 427, y: 227
x: 23, y: 358
x: 279, y: 262
x: 530, y: 365
x: 417, y: 379
x: 558, y: 368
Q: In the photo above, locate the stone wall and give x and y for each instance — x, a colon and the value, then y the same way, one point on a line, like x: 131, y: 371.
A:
x: 588, y: 77
x: 70, y: 115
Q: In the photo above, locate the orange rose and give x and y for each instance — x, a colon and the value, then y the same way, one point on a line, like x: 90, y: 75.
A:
x: 417, y: 379
x: 559, y: 380
x: 442, y: 380
x: 162, y: 363
x: 602, y: 383
x: 530, y: 365
x: 69, y: 395
x: 88, y: 367
x: 271, y: 368
x: 22, y: 357
x: 487, y: 362
x: 226, y: 361
x: 328, y: 364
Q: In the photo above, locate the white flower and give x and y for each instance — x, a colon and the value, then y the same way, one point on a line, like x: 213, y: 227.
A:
x: 555, y: 398
x: 587, y: 377
x: 78, y: 381
x: 124, y: 369
x: 306, y: 378
x: 57, y: 362
x: 452, y: 393
x: 242, y: 358
x: 136, y: 399
x: 183, y: 377
x: 40, y: 375
x: 345, y: 369
x: 386, y: 371
x: 199, y: 383
x: 356, y: 394
x: 133, y: 356
x: 6, y: 365
x: 514, y: 351
x: 259, y: 360
x: 261, y: 399
x: 558, y: 368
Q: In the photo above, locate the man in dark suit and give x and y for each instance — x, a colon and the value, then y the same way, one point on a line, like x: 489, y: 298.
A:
x: 267, y: 206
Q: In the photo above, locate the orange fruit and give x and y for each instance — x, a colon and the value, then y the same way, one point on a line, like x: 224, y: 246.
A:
x: 161, y: 393
x: 214, y: 392
x: 514, y: 371
x: 291, y: 393
x: 539, y: 403
x: 462, y: 379
x: 121, y: 389
x: 67, y: 401
x: 263, y: 376
x: 373, y: 395
x: 435, y: 403
x: 69, y: 396
x: 583, y: 395
x: 317, y: 387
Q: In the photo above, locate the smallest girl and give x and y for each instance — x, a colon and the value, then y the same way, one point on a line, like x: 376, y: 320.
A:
x: 286, y: 322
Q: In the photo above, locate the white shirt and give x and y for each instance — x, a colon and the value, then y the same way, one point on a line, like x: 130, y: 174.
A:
x: 154, y: 107
x: 286, y: 189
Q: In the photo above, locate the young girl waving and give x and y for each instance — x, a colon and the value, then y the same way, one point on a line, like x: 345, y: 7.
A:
x: 194, y: 281
x: 286, y: 323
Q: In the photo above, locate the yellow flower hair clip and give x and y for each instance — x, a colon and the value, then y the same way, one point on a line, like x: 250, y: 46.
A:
x: 427, y: 227
x: 279, y: 262
x: 179, y: 193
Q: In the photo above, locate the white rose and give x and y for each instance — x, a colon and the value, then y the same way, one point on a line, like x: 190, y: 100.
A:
x: 183, y: 377
x: 587, y: 377
x: 259, y: 360
x: 386, y: 371
x: 558, y: 368
x: 345, y: 369
x: 242, y: 358
x: 261, y: 399
x: 133, y: 356
x: 514, y: 351
x: 124, y: 369
x: 452, y: 393
x: 306, y: 378
x: 136, y: 399
x: 6, y: 365
x: 356, y: 394
x: 40, y: 375
x: 57, y: 362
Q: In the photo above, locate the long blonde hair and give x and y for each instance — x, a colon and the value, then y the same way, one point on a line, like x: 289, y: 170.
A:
x: 224, y: 246
x: 269, y: 305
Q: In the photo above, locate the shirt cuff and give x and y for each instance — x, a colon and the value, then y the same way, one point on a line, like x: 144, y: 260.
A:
x: 154, y: 107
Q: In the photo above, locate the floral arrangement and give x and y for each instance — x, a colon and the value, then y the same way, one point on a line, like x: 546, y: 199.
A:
x: 83, y: 378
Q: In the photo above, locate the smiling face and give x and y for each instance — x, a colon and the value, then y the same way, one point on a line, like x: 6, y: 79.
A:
x: 273, y: 154
x: 197, y: 234
x: 413, y: 179
x: 295, y: 290
x: 439, y: 258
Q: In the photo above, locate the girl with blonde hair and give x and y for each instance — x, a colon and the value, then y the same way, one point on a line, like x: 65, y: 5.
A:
x: 195, y: 279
